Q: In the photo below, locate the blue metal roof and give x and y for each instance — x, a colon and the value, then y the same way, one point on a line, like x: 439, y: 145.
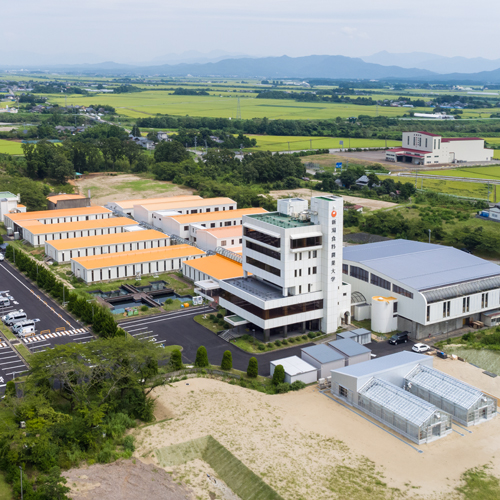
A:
x: 381, y: 364
x: 323, y: 353
x: 421, y: 266
x: 349, y: 347
x: 360, y: 331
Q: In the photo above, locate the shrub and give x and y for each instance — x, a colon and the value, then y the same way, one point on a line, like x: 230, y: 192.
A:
x: 277, y: 343
x: 304, y: 337
x: 253, y: 368
x: 291, y: 339
x: 269, y: 345
x: 468, y: 337
x: 227, y: 361
x: 201, y: 357
x: 262, y: 347
x: 226, y: 326
x: 144, y: 308
x: 169, y: 301
x: 211, y: 317
x: 297, y: 385
x: 176, y: 359
x: 311, y: 335
x: 245, y: 337
x: 10, y: 389
x: 219, y: 315
x: 283, y: 387
x: 284, y: 342
x: 128, y: 443
x: 279, y: 375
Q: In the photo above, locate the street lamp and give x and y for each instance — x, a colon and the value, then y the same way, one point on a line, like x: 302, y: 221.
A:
x: 21, y: 470
x: 430, y: 231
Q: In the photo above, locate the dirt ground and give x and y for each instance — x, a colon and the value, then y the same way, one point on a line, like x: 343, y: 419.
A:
x: 307, y: 193
x: 325, y: 450
x: 124, y: 480
x: 104, y: 188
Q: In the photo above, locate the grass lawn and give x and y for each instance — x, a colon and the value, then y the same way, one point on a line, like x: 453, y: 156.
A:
x: 24, y: 352
x: 6, y: 331
x: 492, y: 172
x: 5, y: 489
x: 10, y: 147
x: 202, y: 319
x: 253, y: 347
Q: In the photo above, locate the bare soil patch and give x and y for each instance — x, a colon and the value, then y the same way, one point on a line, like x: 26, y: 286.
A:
x: 104, y: 188
x: 307, y: 193
x: 124, y: 480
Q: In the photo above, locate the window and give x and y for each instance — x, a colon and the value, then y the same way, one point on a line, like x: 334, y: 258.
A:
x: 223, y: 243
x: 266, y: 251
x: 207, y: 210
x: 361, y: 274
x: 315, y: 254
x: 315, y: 270
x: 300, y: 289
x: 308, y: 270
x: 394, y: 307
x: 295, y: 273
x: 216, y: 209
x: 262, y: 237
x: 343, y: 390
x: 345, y: 268
x: 465, y: 304
x: 313, y: 241
x: 484, y: 300
x: 194, y: 211
x: 186, y: 228
x: 408, y: 140
x: 446, y: 309
x: 241, y: 240
x: 309, y: 287
x: 212, y: 224
x: 402, y: 291
x: 264, y: 267
x: 428, y: 313
x: 378, y: 281
x: 426, y: 142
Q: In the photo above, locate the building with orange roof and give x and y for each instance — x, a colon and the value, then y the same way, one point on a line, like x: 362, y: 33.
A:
x: 187, y: 226
x: 64, y: 250
x: 37, y: 234
x: 133, y: 264
x: 57, y: 216
x: 229, y: 237
x: 62, y: 201
x: 154, y: 213
x: 127, y: 206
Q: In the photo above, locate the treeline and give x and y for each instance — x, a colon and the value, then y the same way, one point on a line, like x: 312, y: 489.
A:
x: 213, y: 139
x: 33, y: 194
x: 183, y: 91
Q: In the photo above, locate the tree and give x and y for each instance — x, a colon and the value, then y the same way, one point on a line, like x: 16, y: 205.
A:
x: 135, y: 131
x: 170, y: 151
x: 279, y: 375
x: 201, y: 357
x: 176, y: 359
x: 227, y: 361
x: 253, y: 367
x: 53, y: 486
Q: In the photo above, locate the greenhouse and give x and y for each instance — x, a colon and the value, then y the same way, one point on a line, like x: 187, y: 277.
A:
x: 414, y: 418
x: 467, y: 405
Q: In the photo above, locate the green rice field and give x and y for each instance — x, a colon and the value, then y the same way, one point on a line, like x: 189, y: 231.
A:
x: 492, y: 172
x: 10, y: 147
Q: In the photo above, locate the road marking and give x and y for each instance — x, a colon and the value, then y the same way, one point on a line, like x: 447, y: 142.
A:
x: 163, y: 318
x: 137, y: 329
x: 7, y: 357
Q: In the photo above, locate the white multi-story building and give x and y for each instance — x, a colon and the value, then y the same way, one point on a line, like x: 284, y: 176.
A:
x: 10, y: 203
x: 424, y: 148
x: 295, y: 258
x: 420, y: 287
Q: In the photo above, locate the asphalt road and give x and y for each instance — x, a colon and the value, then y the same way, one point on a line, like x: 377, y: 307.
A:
x: 179, y: 328
x: 10, y: 365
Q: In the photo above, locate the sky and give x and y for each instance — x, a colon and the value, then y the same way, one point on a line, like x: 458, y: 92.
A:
x: 138, y: 31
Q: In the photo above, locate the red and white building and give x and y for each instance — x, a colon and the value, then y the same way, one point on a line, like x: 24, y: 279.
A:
x: 424, y: 148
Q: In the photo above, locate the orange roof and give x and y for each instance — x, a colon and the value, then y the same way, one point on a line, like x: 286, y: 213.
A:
x: 217, y: 267
x: 22, y: 206
x: 225, y: 232
x: 138, y: 256
x: 221, y: 215
x: 207, y: 202
x: 80, y: 225
x: 52, y: 214
x: 148, y: 201
x: 60, y: 197
x: 107, y: 239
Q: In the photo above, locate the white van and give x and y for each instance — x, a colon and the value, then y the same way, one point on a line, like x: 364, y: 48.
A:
x: 19, y: 325
x: 26, y: 331
x: 14, y: 317
x: 4, y: 302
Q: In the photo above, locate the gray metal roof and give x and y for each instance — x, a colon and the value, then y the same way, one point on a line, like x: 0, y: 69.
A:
x: 445, y: 386
x: 360, y: 331
x: 382, y: 364
x: 323, y: 353
x: 357, y: 297
x: 349, y: 347
x: 421, y: 266
x: 402, y: 403
x: 461, y: 289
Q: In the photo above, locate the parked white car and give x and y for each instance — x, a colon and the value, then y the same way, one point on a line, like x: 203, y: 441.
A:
x: 421, y: 348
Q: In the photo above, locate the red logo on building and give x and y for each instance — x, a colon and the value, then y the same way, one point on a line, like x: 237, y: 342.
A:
x: 334, y: 214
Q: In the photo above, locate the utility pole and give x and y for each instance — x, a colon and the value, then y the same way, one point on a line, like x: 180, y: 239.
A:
x: 416, y: 174
x: 430, y: 231
x: 310, y: 144
x: 21, y: 470
x: 195, y: 142
x: 238, y: 110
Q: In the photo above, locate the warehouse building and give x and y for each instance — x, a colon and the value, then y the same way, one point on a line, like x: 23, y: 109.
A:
x: 64, y: 201
x: 37, y: 233
x: 127, y: 206
x: 419, y: 287
x: 57, y: 216
x: 466, y: 404
x: 10, y: 203
x: 353, y: 352
x: 64, y: 250
x: 323, y: 358
x: 424, y: 148
x: 295, y: 258
x: 187, y: 226
x: 377, y: 388
x: 296, y: 369
x: 230, y: 238
x: 133, y: 264
x: 155, y: 213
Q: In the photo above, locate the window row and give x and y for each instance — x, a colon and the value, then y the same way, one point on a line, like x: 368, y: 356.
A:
x: 266, y: 251
x: 265, y: 267
x: 262, y: 237
x: 313, y: 241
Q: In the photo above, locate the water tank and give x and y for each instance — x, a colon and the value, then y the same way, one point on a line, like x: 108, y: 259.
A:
x: 382, y: 314
x: 10, y: 231
x: 16, y: 235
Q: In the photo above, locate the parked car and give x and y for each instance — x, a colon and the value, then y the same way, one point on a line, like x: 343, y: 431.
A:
x: 2, y: 257
x: 399, y: 338
x: 421, y: 348
x: 14, y: 317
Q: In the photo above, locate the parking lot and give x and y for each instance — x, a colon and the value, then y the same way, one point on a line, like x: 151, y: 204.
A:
x: 11, y: 364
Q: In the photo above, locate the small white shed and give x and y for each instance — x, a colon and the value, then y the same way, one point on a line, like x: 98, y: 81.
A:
x: 324, y: 358
x: 360, y: 335
x: 352, y: 351
x: 296, y: 369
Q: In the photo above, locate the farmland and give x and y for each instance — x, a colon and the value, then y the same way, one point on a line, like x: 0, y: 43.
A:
x: 471, y: 172
x: 10, y: 147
